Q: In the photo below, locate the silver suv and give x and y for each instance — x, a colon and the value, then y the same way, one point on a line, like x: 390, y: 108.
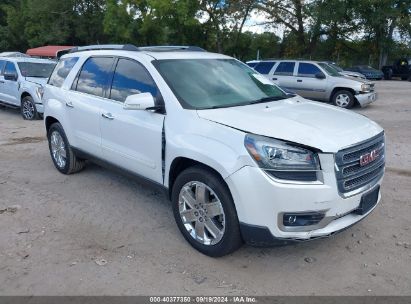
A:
x: 318, y: 81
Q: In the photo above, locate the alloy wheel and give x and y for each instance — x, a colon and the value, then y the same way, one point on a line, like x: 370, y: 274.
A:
x: 342, y: 100
x: 58, y: 149
x: 28, y: 109
x: 202, y: 213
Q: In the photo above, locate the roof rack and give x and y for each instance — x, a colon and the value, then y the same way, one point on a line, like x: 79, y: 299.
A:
x: 130, y: 47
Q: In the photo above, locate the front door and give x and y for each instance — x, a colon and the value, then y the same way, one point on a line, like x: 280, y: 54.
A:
x: 132, y: 139
x: 307, y: 85
x: 10, y: 87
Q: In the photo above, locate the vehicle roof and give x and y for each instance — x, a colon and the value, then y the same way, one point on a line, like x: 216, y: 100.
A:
x: 27, y: 59
x: 149, y: 54
x: 280, y: 60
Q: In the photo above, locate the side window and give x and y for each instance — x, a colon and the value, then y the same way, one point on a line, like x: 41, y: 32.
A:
x: 285, y: 68
x: 2, y: 64
x: 264, y: 67
x: 131, y: 78
x: 307, y: 70
x: 10, y: 68
x: 94, y: 76
x: 61, y: 71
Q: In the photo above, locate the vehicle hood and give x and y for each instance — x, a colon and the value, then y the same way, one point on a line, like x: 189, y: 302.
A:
x: 37, y: 80
x: 298, y: 120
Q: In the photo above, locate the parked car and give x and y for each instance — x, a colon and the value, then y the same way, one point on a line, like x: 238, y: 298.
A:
x: 367, y: 71
x: 318, y: 81
x: 400, y: 68
x: 21, y: 81
x: 344, y: 72
x: 239, y: 159
x: 13, y: 54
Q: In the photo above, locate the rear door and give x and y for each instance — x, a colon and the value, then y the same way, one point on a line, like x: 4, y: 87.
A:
x: 307, y: 85
x: 84, y: 100
x: 132, y: 139
x: 284, y: 75
x: 10, y: 88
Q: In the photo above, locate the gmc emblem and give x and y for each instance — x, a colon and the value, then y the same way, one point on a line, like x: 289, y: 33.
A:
x: 369, y: 157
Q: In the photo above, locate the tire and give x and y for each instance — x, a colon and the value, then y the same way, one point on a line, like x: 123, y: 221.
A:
x: 57, y: 139
x: 28, y: 109
x: 228, y: 236
x: 388, y: 74
x: 343, y: 99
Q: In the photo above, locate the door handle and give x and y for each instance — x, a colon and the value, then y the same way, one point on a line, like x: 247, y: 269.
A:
x: 1, y: 81
x: 108, y: 116
x: 299, y: 80
x: 274, y: 78
x: 69, y: 104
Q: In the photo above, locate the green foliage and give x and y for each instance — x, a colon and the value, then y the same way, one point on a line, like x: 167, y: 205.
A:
x: 346, y: 31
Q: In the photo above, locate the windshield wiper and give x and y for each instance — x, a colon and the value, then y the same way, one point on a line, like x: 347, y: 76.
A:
x: 267, y: 99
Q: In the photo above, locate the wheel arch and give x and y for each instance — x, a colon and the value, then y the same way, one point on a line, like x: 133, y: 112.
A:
x: 49, y: 120
x: 179, y: 164
x: 336, y: 89
x: 25, y: 94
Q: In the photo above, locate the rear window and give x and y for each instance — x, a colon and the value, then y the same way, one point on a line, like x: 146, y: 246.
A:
x: 94, y: 76
x: 285, y: 68
x: 61, y: 71
x: 264, y: 67
x: 2, y: 64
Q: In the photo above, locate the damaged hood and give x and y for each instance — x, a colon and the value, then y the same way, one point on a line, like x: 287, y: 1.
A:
x: 298, y: 120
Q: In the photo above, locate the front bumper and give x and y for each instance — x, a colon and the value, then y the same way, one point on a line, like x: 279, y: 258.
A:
x: 260, y: 200
x: 40, y: 108
x: 366, y: 99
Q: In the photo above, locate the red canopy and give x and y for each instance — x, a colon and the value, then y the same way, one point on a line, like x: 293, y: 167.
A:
x: 47, y: 51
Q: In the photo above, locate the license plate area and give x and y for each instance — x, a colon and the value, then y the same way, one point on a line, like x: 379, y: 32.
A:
x: 368, y: 201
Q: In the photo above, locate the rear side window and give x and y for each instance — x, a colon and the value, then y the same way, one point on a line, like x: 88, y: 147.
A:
x: 285, y: 68
x: 264, y: 67
x: 131, y: 78
x: 2, y: 64
x: 307, y: 70
x: 252, y: 64
x: 94, y: 76
x: 10, y: 68
x: 61, y: 71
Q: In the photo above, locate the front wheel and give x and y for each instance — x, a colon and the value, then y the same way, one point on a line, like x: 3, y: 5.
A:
x: 204, y: 212
x: 28, y: 109
x: 343, y: 99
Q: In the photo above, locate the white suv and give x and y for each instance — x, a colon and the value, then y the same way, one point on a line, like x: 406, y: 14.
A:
x: 240, y: 159
x: 21, y: 80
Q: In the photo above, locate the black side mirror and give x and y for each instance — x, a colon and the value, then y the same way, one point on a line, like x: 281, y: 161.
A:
x: 12, y: 77
x: 320, y: 75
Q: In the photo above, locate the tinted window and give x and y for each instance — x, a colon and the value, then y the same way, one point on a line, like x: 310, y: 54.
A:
x: 61, y: 71
x: 307, y: 70
x: 94, y: 75
x: 2, y: 64
x: 10, y: 68
x: 131, y: 78
x: 285, y: 68
x: 264, y: 67
x: 252, y: 64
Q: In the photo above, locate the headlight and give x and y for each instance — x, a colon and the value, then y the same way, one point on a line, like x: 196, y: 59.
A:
x: 365, y: 87
x: 281, y: 159
x: 40, y: 92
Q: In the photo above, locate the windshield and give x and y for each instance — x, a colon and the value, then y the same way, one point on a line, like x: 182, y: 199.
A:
x: 329, y: 69
x: 339, y: 69
x: 367, y: 68
x: 34, y: 69
x: 216, y: 83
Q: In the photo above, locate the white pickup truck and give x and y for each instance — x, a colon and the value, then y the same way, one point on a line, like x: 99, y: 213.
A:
x: 21, y: 79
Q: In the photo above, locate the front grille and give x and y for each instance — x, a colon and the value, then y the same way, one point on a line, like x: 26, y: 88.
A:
x: 349, y: 172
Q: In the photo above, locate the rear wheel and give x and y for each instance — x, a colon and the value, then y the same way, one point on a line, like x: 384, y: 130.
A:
x: 61, y: 153
x: 28, y: 109
x: 343, y: 99
x: 204, y: 212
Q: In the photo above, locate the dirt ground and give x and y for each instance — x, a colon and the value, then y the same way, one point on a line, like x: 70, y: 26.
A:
x: 65, y: 226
